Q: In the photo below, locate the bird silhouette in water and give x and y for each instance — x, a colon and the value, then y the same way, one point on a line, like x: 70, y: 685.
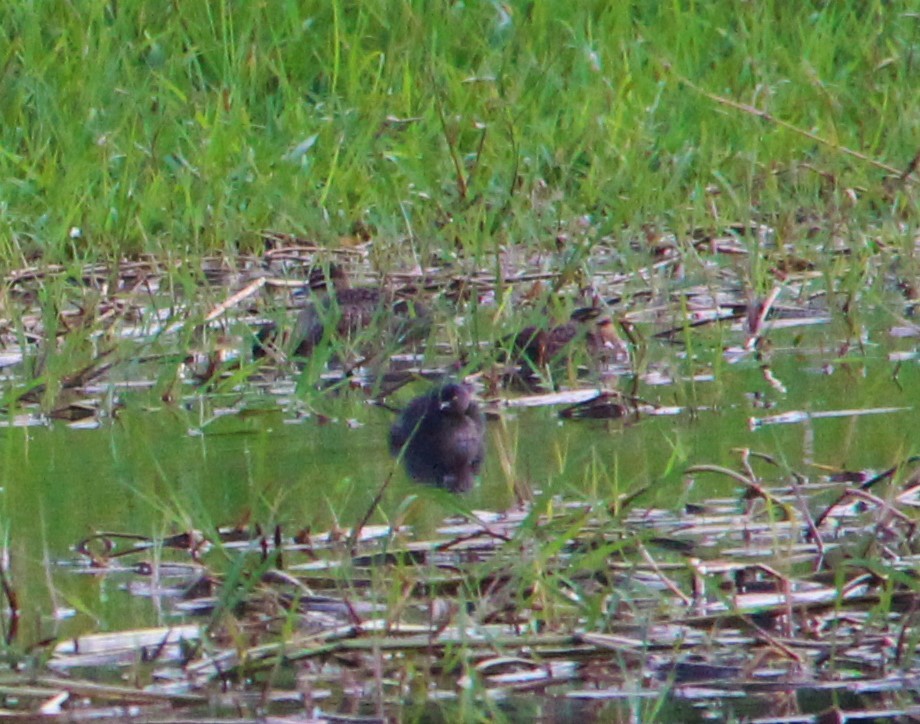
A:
x: 440, y: 438
x: 340, y: 310
x: 536, y: 348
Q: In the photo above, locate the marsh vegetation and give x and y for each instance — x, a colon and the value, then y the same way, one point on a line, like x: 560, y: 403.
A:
x: 673, y: 253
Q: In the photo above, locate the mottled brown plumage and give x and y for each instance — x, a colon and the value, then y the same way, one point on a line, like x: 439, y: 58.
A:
x: 440, y: 438
x: 535, y: 347
x: 342, y: 311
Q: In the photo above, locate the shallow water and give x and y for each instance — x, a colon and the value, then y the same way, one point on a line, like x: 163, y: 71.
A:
x: 274, y: 449
x: 157, y: 470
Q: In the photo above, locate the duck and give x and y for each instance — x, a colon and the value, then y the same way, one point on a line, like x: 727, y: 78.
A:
x: 338, y: 309
x: 440, y: 438
x: 534, y: 347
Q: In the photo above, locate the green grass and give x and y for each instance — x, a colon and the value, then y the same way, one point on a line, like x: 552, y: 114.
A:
x: 188, y: 127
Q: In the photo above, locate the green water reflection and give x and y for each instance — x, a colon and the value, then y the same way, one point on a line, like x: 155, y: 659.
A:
x: 159, y: 471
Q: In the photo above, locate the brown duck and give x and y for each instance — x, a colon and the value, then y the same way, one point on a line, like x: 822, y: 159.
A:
x: 343, y: 311
x: 535, y: 347
x: 440, y: 438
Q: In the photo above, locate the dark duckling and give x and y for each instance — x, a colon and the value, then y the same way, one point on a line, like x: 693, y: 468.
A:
x: 535, y: 347
x: 440, y: 437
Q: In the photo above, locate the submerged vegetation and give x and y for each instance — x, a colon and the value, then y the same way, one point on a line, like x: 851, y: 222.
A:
x: 660, y: 225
